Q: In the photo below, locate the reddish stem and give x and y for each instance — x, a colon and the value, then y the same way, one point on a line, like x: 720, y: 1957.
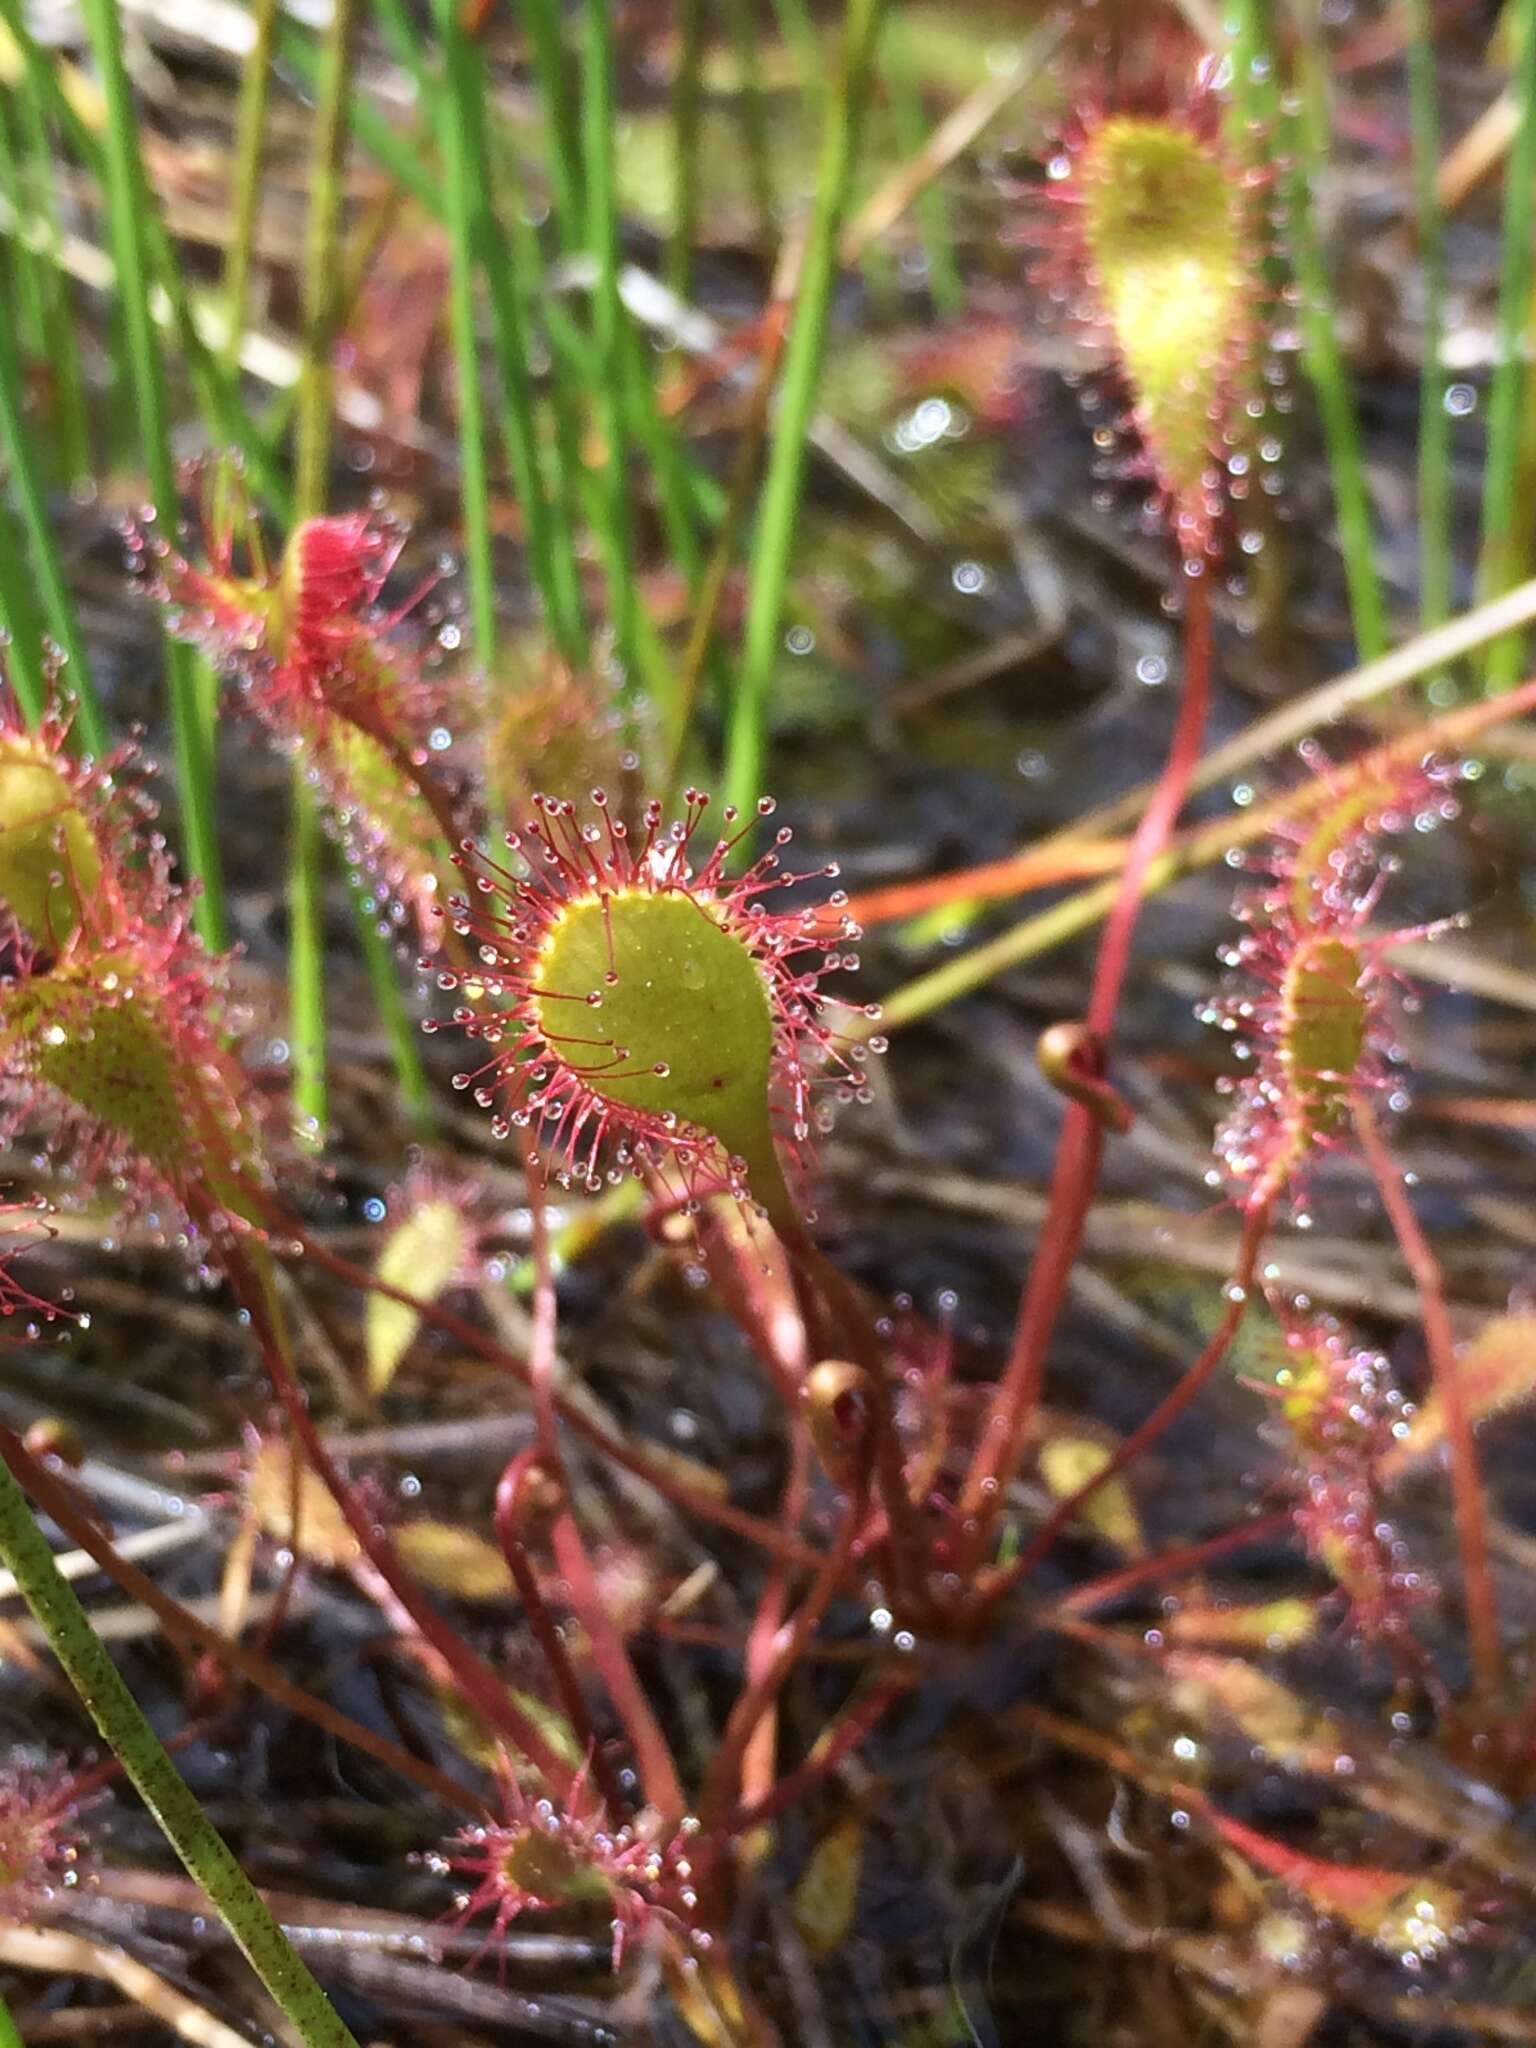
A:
x: 546, y: 1632
x: 706, y: 1507
x: 1166, y: 1565
x: 1013, y: 1407
x: 482, y: 1686
x: 1466, y: 1484
x: 724, y: 1782
x: 1168, y: 1410
x: 837, y: 1742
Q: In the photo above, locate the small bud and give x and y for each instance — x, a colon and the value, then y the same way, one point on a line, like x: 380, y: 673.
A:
x: 53, y: 1439
x: 1072, y: 1059
x: 839, y: 1406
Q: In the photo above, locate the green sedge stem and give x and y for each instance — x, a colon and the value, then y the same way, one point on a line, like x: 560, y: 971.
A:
x: 611, y: 503
x: 778, y: 515
x: 394, y: 1014
x: 69, y: 408
x: 1435, y: 558
x: 744, y: 33
x: 1506, y: 474
x: 22, y: 647
x: 58, y: 604
x: 544, y: 21
x: 10, y: 2033
x: 463, y: 189
x: 1304, y: 140
x: 188, y: 681
x: 250, y: 123
x: 117, y: 1715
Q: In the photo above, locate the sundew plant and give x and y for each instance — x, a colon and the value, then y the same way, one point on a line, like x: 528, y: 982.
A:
x: 766, y: 877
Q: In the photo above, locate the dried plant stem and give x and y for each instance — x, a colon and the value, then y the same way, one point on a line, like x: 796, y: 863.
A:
x: 1445, y: 1370
x: 1011, y: 1414
x: 121, y: 1722
x: 1063, y: 921
x: 63, y: 1508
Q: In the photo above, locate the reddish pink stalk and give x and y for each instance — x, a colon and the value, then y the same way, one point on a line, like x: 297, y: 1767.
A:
x: 658, y: 1772
x: 546, y: 1633
x: 481, y: 1685
x: 724, y: 1783
x: 1466, y: 1484
x: 836, y: 1744
x: 1172, y: 1406
x: 1168, y: 1564
x: 1013, y: 1408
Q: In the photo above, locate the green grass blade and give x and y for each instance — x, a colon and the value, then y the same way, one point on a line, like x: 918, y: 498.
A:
x: 58, y: 604
x: 128, y: 208
x: 774, y: 534
x: 1507, y: 475
x: 56, y: 1608
x: 1435, y: 557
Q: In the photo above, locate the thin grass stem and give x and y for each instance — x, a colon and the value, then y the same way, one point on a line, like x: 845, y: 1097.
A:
x: 57, y: 602
x: 1435, y: 556
x: 70, y: 413
x: 188, y: 682
x: 1505, y: 539
x: 687, y: 110
x: 250, y: 125
x: 931, y: 209
x: 773, y: 536
x: 1302, y: 136
x: 463, y: 185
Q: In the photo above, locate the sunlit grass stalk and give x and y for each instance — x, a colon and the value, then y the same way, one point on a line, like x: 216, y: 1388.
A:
x: 1505, y: 535
x: 393, y: 1011
x: 56, y: 1608
x: 611, y: 501
x: 1300, y: 136
x: 128, y: 209
x: 168, y: 296
x: 312, y: 453
x: 544, y: 23
x: 778, y: 513
x: 458, y: 114
x: 245, y: 176
x: 25, y: 280
x: 59, y: 616
x: 1435, y: 558
x: 479, y: 244
x: 10, y: 2033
